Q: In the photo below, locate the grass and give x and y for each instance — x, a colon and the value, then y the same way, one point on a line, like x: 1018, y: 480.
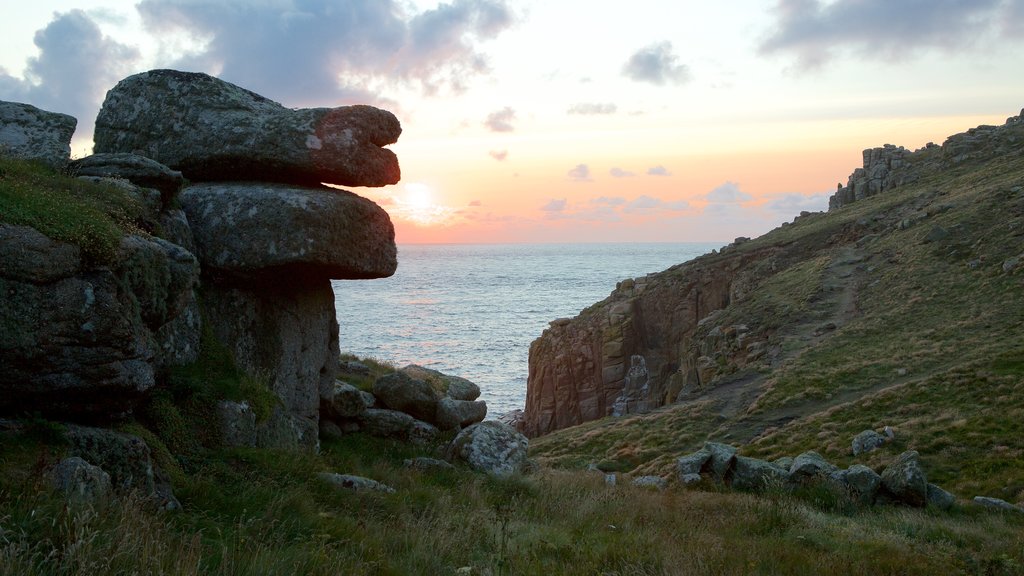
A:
x: 91, y: 216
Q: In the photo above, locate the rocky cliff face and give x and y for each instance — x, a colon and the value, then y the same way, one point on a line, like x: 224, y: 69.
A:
x: 671, y: 337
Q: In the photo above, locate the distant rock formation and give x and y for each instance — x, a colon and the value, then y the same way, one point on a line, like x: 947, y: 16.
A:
x: 210, y: 129
x: 890, y: 166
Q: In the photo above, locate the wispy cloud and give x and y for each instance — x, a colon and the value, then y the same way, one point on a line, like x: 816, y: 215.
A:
x: 658, y: 171
x: 885, y: 30
x: 651, y: 205
x: 554, y: 205
x: 501, y: 120
x: 593, y: 108
x: 620, y: 173
x: 728, y: 193
x: 581, y: 173
x: 499, y: 155
x: 656, y: 64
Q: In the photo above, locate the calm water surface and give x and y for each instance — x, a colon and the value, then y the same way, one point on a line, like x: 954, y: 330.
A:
x: 472, y: 310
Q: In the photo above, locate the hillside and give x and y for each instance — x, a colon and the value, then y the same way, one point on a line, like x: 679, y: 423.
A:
x: 901, y: 306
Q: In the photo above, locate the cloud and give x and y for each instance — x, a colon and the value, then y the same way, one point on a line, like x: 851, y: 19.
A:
x: 620, y: 173
x: 75, y: 67
x: 609, y: 200
x: 884, y: 30
x: 793, y: 203
x: 593, y: 108
x: 476, y: 204
x: 501, y: 120
x: 308, y: 51
x: 498, y: 155
x: 656, y: 64
x: 658, y: 171
x: 581, y: 173
x: 728, y: 193
x: 650, y: 205
x: 555, y: 205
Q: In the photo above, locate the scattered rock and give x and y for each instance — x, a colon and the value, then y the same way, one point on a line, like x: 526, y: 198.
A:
x: 80, y: 481
x: 353, y: 367
x: 330, y: 431
x: 423, y: 463
x: 863, y: 483
x: 755, y: 475
x: 785, y: 462
x: 387, y: 423
x: 940, y: 498
x: 690, y: 479
x: 809, y: 466
x: 490, y: 447
x: 213, y: 130
x: 936, y: 234
x: 454, y: 387
x: 867, y: 441
x: 355, y: 483
x: 453, y: 414
x: 997, y: 504
x: 29, y: 133
x: 610, y: 479
x: 399, y: 391
x: 1011, y: 264
x: 650, y: 482
x: 345, y: 401
x: 138, y: 170
x: 905, y: 480
x: 721, y: 460
x: 237, y: 423
x: 693, y: 463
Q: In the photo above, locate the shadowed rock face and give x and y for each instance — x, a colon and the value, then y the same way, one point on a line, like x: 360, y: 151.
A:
x: 32, y: 134
x: 210, y: 129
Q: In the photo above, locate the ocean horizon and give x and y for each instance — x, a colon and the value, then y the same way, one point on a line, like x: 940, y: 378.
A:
x: 472, y: 310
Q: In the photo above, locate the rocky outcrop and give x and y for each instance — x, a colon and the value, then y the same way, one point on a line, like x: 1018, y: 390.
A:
x: 210, y: 129
x: 83, y: 340
x: 890, y: 167
x: 639, y: 348
x: 80, y: 481
x: 490, y: 447
x: 138, y: 170
x: 29, y: 133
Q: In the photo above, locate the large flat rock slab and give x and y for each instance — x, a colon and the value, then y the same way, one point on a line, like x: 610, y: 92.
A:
x: 247, y: 228
x: 210, y: 129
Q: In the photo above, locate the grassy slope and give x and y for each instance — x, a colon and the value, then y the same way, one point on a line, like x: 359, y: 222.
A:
x: 935, y: 347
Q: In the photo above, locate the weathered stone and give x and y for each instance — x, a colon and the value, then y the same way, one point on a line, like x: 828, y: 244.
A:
x: 344, y: 401
x: 27, y: 255
x: 390, y: 424
x: 756, y: 475
x: 423, y: 464
x: 174, y: 228
x: 355, y: 483
x: 939, y: 498
x: 455, y: 387
x: 997, y: 504
x: 283, y: 332
x: 721, y: 461
x: 650, y: 482
x: 490, y: 447
x: 80, y: 481
x: 693, y: 463
x: 237, y: 423
x: 863, y: 483
x: 354, y: 367
x: 453, y: 414
x: 29, y: 133
x: 136, y: 169
x: 690, y: 479
x: 213, y: 130
x: 785, y: 462
x: 177, y: 341
x: 867, y: 441
x: 160, y: 275
x: 126, y: 458
x: 330, y: 431
x: 422, y: 432
x: 809, y: 466
x: 905, y: 480
x: 248, y: 229
x: 399, y: 391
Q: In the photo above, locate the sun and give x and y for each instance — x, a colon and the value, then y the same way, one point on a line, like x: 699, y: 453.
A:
x: 418, y: 196
x: 418, y: 206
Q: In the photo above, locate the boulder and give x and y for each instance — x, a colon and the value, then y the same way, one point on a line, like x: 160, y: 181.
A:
x: 80, y: 481
x: 867, y: 441
x: 29, y: 133
x: 863, y: 483
x: 210, y: 129
x: 237, y: 423
x: 422, y: 433
x: 690, y: 479
x: 330, y: 431
x: 905, y: 480
x: 345, y: 401
x: 136, y: 169
x: 453, y: 414
x: 809, y: 466
x: 399, y: 391
x: 79, y: 340
x: 693, y: 463
x: 282, y: 332
x: 939, y: 498
x: 126, y: 458
x: 249, y: 229
x: 355, y: 483
x: 997, y: 504
x: 454, y: 387
x: 756, y: 475
x: 721, y: 460
x: 396, y: 425
x: 656, y: 482
x: 490, y: 447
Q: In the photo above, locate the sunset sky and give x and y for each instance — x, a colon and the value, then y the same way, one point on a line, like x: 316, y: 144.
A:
x: 566, y: 120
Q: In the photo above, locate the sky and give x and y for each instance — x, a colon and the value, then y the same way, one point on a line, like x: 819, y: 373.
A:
x: 566, y: 120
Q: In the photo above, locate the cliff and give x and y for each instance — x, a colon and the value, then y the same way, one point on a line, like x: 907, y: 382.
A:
x: 726, y: 320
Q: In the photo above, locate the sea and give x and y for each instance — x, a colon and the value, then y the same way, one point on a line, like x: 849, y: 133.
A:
x: 472, y: 310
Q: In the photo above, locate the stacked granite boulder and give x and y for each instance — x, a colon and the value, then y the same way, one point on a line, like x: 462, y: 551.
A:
x: 268, y: 235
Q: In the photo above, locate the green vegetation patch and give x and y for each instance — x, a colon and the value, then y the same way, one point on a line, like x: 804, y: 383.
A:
x: 91, y: 216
